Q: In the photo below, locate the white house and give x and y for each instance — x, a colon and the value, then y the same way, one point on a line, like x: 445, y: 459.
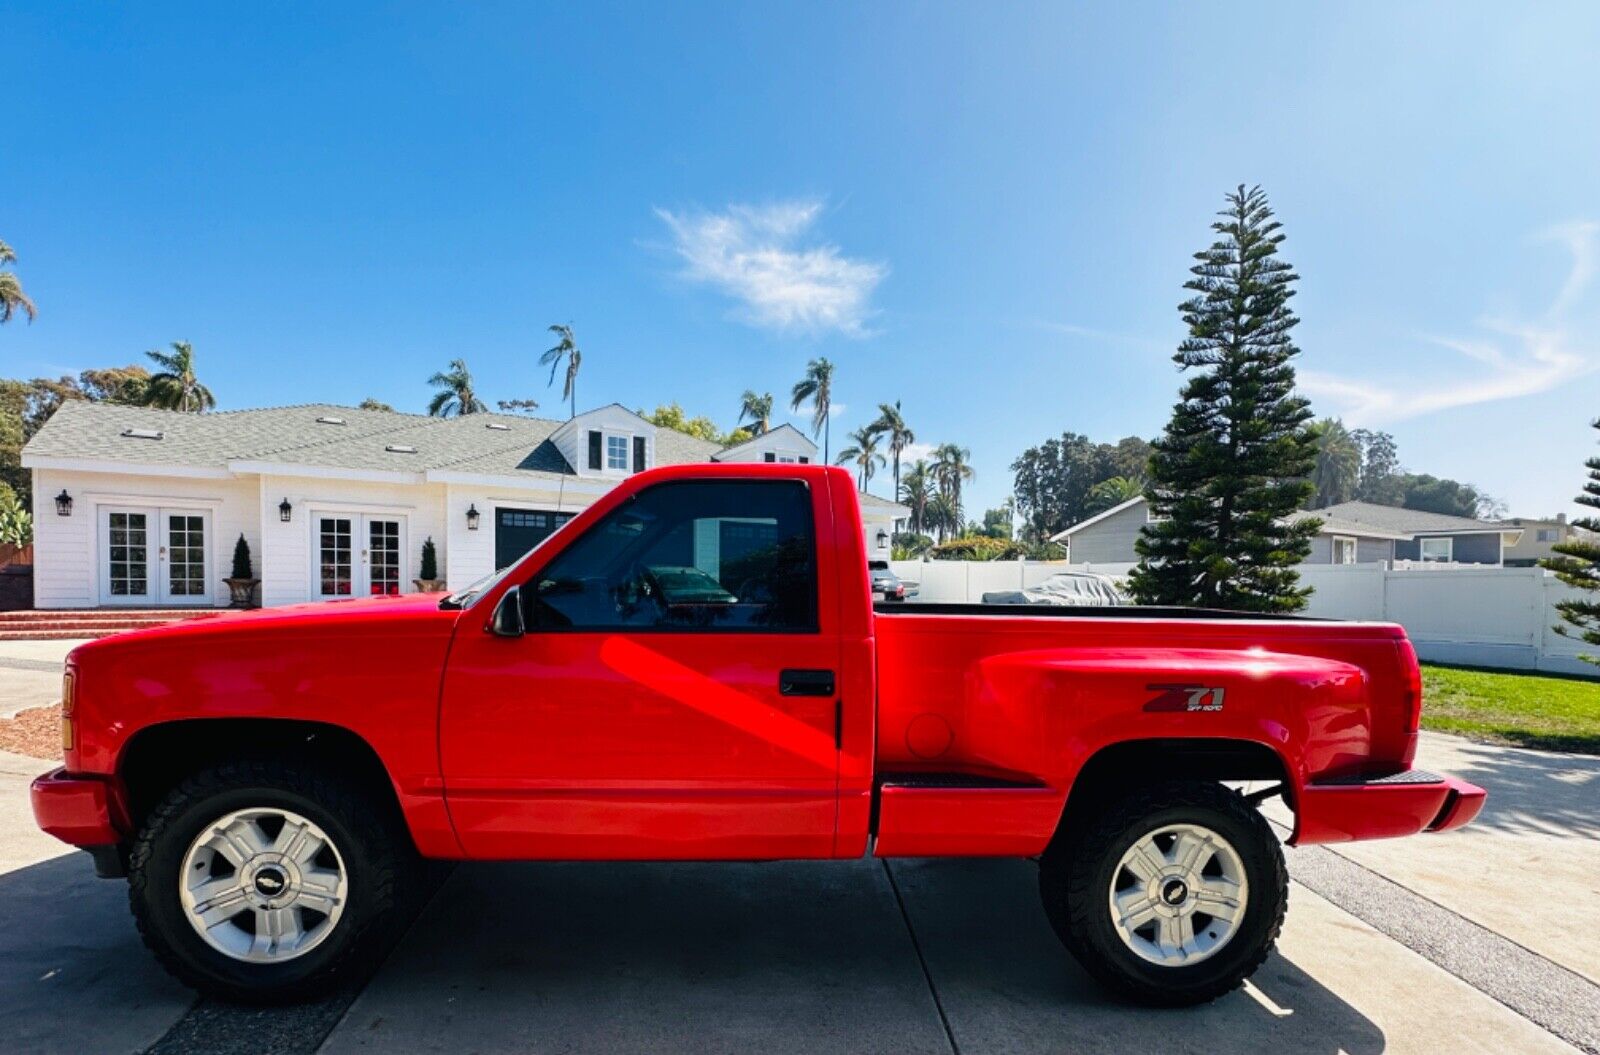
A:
x: 142, y: 507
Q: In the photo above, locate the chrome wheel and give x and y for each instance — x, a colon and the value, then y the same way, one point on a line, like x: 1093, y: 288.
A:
x: 263, y: 885
x: 1178, y: 895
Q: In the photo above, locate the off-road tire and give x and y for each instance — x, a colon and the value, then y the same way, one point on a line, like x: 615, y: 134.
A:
x: 1076, y: 872
x: 379, y: 858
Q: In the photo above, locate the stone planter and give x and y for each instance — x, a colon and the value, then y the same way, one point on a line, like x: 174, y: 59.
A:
x: 430, y: 585
x: 241, y: 592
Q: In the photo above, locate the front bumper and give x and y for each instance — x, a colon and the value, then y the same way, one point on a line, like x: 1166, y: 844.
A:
x: 81, y: 810
x: 1403, y: 803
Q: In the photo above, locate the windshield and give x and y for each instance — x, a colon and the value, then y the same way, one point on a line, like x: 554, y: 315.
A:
x: 463, y: 597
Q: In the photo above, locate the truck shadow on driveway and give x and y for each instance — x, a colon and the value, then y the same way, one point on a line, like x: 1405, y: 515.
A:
x: 774, y: 958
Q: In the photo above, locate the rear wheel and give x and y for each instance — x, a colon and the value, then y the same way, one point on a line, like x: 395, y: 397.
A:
x: 263, y: 881
x: 1173, y: 895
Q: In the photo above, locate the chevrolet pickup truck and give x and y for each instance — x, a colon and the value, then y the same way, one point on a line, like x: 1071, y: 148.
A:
x: 692, y: 668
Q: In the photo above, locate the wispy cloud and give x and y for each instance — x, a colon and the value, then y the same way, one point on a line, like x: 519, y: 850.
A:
x: 916, y: 452
x: 761, y: 257
x: 1513, y: 358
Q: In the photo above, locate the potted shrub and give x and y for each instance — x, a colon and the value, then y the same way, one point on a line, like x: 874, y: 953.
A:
x: 241, y: 584
x: 429, y: 581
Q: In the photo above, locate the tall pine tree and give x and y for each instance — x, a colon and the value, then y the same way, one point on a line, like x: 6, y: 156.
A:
x: 1236, y: 456
x: 1579, y: 566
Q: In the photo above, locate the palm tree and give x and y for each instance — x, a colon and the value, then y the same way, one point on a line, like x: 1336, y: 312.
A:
x: 1338, y: 467
x: 817, y: 389
x: 455, y: 396
x: 951, y: 470
x: 12, y: 298
x: 175, y: 386
x: 758, y: 409
x: 566, y: 348
x: 864, y: 452
x: 942, y: 515
x: 916, y: 490
x: 1114, y: 491
x: 892, y: 425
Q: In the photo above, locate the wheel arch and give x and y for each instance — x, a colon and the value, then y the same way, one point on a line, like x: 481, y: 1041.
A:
x: 1120, y: 767
x: 158, y: 757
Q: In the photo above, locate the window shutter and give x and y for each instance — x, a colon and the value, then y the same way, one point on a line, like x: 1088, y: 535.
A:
x: 769, y: 457
x: 638, y: 454
x: 594, y: 449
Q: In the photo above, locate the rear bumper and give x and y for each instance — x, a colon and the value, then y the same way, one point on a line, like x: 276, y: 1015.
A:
x: 81, y: 810
x: 1401, y: 804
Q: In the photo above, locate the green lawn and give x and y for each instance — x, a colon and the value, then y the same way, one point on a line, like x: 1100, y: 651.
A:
x: 1549, y: 711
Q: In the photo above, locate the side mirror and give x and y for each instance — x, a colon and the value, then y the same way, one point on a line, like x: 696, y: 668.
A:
x: 507, y: 618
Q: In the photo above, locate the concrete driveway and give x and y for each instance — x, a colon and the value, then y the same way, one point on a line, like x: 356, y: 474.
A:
x: 1453, y: 943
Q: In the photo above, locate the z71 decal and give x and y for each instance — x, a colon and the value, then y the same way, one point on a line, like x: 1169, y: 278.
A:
x: 1185, y: 698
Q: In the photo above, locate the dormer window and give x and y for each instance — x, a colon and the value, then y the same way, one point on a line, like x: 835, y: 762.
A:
x: 616, y: 453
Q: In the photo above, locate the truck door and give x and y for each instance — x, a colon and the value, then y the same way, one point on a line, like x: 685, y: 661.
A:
x: 674, y: 692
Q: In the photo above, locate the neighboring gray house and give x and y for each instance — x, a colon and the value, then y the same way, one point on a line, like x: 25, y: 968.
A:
x: 1351, y: 533
x: 1105, y: 538
x: 1342, y: 540
x: 1431, y: 537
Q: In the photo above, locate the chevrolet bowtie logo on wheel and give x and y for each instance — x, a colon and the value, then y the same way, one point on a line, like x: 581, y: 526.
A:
x: 1185, y: 698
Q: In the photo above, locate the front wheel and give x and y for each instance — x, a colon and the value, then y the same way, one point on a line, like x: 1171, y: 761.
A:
x: 1172, y: 896
x: 261, y: 881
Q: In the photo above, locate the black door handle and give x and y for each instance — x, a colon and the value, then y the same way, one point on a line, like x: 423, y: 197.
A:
x: 805, y: 682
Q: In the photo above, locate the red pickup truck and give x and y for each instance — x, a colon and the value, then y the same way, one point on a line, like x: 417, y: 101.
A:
x: 693, y: 669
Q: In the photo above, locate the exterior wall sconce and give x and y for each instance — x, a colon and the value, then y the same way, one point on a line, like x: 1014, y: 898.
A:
x: 883, y: 539
x: 63, y: 503
x: 472, y: 517
x: 285, y: 510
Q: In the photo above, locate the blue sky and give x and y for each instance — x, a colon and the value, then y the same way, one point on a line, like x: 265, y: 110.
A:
x: 986, y: 213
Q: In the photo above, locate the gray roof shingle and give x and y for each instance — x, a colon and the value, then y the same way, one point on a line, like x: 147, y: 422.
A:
x: 292, y: 435
x: 1404, y: 521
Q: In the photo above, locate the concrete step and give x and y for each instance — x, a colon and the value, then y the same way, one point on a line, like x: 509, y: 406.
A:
x: 58, y: 624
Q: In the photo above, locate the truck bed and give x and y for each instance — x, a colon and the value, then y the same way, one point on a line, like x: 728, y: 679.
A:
x: 1008, y: 703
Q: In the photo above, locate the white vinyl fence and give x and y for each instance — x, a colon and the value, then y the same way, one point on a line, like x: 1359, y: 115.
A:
x: 1478, y: 616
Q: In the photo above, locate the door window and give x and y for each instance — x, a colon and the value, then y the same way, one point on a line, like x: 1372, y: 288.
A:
x: 336, y: 561
x: 129, y: 557
x: 707, y: 555
x: 186, y: 555
x: 383, y: 555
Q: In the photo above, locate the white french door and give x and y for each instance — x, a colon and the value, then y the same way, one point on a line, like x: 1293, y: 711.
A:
x: 154, y: 556
x: 358, y: 555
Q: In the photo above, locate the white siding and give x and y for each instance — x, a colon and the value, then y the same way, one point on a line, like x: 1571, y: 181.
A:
x: 572, y: 440
x: 66, y: 569
x: 287, y: 551
x: 785, y: 441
